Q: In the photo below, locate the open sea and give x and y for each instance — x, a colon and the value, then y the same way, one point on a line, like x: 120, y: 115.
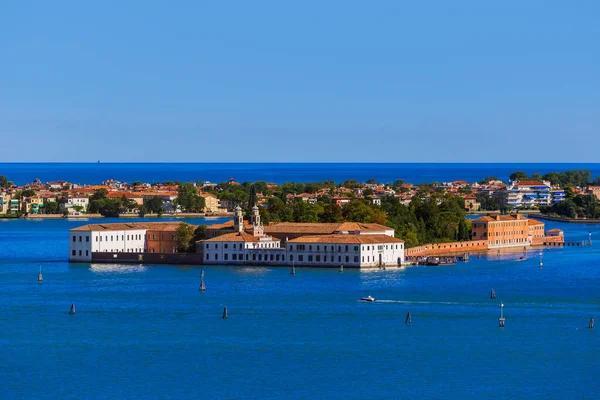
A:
x: 147, y: 332
x: 22, y: 173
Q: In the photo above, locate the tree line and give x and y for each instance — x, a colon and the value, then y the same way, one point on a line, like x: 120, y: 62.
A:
x: 575, y: 178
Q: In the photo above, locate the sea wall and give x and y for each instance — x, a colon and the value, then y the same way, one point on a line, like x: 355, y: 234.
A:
x: 147, y: 258
x: 447, y: 248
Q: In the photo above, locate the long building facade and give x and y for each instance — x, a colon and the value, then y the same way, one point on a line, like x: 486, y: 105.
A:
x: 508, y: 231
x: 249, y: 243
x: 320, y: 245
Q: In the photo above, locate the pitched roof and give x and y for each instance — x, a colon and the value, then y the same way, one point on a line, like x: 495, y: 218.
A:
x: 238, y: 237
x: 156, y: 226
x: 108, y: 227
x: 511, y: 217
x: 347, y: 239
x: 535, y: 222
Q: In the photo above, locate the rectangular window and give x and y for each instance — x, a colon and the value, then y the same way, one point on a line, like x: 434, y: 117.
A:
x: 87, y: 239
x: 86, y: 253
x: 79, y: 253
x: 73, y: 253
x: 226, y: 256
x: 80, y: 239
x: 355, y: 258
x: 310, y: 258
x: 300, y: 257
x: 74, y: 239
x: 318, y: 257
x: 225, y: 245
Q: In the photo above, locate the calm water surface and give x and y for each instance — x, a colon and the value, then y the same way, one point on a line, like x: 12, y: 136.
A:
x: 146, y: 331
x: 22, y: 173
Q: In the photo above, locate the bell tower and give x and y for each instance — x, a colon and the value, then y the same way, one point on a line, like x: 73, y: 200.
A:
x: 238, y: 220
x: 257, y: 227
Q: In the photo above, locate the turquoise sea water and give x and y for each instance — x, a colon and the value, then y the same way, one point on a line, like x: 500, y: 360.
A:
x: 147, y: 332
x: 22, y: 173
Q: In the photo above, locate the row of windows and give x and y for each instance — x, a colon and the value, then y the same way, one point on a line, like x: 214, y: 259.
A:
x: 112, y: 238
x: 74, y: 253
x: 302, y: 247
x: 162, y: 250
x: 162, y: 237
x: 509, y: 241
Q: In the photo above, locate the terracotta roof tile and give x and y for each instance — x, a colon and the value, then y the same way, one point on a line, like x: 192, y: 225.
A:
x: 347, y: 239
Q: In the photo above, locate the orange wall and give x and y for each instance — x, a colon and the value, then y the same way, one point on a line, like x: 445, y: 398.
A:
x: 446, y: 248
x: 160, y: 241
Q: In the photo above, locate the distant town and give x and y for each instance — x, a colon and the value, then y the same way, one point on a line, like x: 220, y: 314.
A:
x: 357, y: 224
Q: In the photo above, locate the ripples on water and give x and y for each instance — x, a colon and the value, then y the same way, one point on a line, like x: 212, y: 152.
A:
x: 147, y: 331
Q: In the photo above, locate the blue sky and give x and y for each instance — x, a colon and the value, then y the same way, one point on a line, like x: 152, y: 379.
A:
x: 387, y: 81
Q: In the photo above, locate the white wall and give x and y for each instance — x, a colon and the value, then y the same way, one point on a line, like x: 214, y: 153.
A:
x: 121, y: 241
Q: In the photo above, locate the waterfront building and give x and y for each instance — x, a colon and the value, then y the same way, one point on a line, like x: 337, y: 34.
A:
x: 303, y: 244
x: 533, y: 194
x: 594, y: 190
x: 113, y: 238
x: 536, y: 233
x: 471, y: 204
x: 160, y: 237
x: 4, y: 203
x: 73, y: 203
x: 247, y: 243
x: 211, y: 202
x: 361, y: 251
x: 508, y: 231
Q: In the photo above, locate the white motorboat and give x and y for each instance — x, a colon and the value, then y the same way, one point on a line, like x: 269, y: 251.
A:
x: 368, y: 298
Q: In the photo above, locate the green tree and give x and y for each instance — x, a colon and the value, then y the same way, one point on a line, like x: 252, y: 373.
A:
x: 188, y: 198
x: 51, y: 207
x: 488, y: 180
x: 351, y: 184
x: 518, y: 176
x: 99, y: 194
x: 372, y: 181
x: 200, y: 233
x: 184, y: 237
x: 154, y: 205
x: 331, y: 213
x: 398, y: 183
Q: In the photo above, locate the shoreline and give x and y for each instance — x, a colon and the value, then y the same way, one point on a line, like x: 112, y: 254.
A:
x: 569, y: 220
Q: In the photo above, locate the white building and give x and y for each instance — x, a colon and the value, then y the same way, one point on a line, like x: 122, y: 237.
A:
x: 352, y: 248
x: 75, y: 201
x: 114, y: 238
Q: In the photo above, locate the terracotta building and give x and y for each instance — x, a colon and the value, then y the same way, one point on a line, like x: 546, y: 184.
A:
x: 508, y: 231
x: 160, y: 237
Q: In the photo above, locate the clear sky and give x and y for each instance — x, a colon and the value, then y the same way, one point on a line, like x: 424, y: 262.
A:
x: 388, y: 81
